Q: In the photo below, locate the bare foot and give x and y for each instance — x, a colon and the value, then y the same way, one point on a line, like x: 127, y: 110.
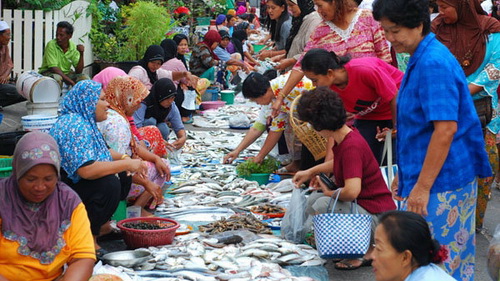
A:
x: 293, y: 167
x: 106, y: 229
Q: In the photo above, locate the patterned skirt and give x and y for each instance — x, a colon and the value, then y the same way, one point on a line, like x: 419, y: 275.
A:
x: 156, y: 143
x: 452, y: 222
x: 136, y: 190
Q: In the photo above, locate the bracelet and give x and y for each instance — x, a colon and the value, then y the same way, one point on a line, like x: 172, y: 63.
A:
x: 124, y: 156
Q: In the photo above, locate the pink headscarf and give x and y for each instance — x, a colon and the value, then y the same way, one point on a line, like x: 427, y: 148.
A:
x: 37, y: 227
x: 107, y: 74
x: 241, y: 10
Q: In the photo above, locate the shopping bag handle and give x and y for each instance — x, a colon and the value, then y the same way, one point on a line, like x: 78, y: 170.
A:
x: 354, y: 204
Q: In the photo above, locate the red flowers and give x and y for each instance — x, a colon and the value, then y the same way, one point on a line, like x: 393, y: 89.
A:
x: 441, y: 255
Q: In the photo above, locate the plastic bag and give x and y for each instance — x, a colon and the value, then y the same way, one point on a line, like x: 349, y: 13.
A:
x: 189, y: 102
x: 239, y: 120
x: 293, y: 225
x: 494, y: 256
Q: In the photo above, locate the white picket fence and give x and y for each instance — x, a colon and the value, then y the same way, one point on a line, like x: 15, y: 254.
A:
x: 32, y: 30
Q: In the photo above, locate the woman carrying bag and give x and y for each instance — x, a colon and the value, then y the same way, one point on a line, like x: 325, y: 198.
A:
x: 356, y: 170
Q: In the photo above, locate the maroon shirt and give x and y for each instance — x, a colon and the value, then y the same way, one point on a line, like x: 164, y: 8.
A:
x: 354, y: 159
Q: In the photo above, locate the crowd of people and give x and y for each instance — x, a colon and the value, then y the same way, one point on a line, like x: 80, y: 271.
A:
x: 356, y: 71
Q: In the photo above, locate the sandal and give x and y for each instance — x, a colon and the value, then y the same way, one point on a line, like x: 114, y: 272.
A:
x: 346, y: 265
x: 99, y: 253
x: 189, y: 121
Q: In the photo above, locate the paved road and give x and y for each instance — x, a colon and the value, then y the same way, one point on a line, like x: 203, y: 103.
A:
x: 12, y: 122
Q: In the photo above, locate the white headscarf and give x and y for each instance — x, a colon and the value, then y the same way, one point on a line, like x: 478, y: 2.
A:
x: 3, y: 26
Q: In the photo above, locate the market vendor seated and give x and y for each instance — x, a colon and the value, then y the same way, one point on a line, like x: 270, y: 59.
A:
x: 158, y: 109
x: 44, y: 224
x: 264, y: 95
x: 61, y: 54
x: 356, y: 170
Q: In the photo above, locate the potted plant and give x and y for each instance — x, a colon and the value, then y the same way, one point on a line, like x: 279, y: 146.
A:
x: 259, y: 172
x: 121, y: 38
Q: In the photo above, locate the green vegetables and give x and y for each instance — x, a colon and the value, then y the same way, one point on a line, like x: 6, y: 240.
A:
x: 249, y: 167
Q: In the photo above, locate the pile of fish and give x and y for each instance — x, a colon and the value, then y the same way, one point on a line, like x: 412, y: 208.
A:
x: 219, y: 118
x: 235, y: 222
x: 191, y: 258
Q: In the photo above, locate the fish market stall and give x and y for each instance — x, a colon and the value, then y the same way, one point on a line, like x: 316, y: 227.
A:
x: 224, y: 234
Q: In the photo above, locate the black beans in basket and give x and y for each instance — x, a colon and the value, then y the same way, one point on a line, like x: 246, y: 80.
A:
x: 148, y: 225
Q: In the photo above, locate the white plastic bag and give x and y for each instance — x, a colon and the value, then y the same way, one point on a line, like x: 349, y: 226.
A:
x: 239, y: 120
x: 189, y: 102
x: 294, y: 226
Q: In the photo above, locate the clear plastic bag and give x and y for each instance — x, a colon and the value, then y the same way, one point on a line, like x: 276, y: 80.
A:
x: 494, y: 256
x: 239, y: 120
x: 294, y: 226
x: 189, y: 102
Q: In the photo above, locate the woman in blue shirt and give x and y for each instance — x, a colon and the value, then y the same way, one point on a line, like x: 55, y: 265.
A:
x: 474, y: 39
x: 440, y: 145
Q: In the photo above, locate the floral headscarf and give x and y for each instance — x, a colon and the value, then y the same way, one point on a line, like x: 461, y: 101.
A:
x: 124, y: 94
x: 76, y: 131
x: 37, y: 227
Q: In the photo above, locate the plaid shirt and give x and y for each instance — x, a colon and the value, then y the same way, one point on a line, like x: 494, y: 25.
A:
x: 434, y: 88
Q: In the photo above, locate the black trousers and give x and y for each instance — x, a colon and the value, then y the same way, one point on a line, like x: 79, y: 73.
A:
x: 368, y: 129
x: 101, y: 197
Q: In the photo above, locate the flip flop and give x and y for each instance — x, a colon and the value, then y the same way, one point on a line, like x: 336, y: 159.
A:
x: 346, y: 265
x: 190, y: 121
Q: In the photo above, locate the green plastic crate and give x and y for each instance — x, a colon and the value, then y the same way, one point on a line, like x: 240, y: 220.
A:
x: 5, y: 167
x: 203, y: 20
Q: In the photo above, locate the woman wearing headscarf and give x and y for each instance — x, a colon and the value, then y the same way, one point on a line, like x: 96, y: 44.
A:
x: 304, y: 20
x: 203, y: 57
x: 474, y: 39
x: 240, y: 37
x: 280, y: 23
x: 125, y: 94
x: 148, y: 136
x: 44, y: 223
x: 88, y: 165
x: 221, y: 23
x: 159, y: 108
x: 8, y: 92
x: 182, y: 47
x: 149, y: 69
x: 172, y: 63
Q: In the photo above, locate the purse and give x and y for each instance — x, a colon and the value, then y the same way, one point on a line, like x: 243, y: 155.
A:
x: 342, y: 236
x: 484, y: 109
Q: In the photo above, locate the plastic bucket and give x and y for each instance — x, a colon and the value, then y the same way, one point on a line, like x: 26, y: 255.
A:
x: 259, y: 178
x: 47, y: 108
x: 37, y: 88
x: 38, y: 122
x: 227, y: 96
x: 211, y: 94
x: 258, y: 47
x: 121, y: 211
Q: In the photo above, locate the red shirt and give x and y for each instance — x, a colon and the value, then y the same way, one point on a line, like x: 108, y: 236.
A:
x: 354, y: 159
x: 372, y: 85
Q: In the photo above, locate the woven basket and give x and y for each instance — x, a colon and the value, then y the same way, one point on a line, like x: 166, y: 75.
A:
x: 138, y: 238
x: 306, y: 134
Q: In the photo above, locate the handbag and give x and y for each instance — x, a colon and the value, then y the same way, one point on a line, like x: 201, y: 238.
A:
x: 484, y: 110
x: 388, y: 173
x: 342, y: 236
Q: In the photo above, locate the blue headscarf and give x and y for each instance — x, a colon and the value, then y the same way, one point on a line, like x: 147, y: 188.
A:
x: 76, y: 132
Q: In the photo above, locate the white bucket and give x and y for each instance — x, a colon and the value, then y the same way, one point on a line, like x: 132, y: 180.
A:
x: 38, y: 122
x: 47, y: 108
x: 37, y: 88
